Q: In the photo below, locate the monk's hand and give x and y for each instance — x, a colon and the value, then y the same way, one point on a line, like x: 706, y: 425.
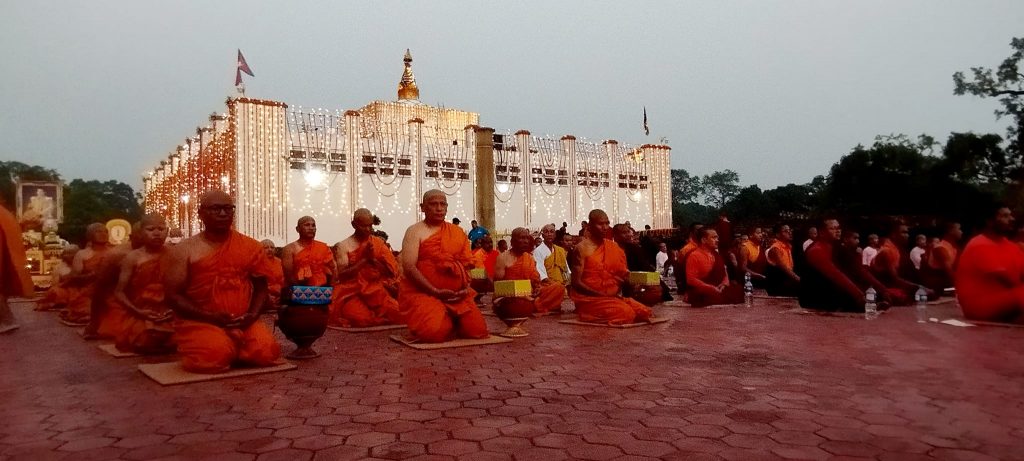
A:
x: 159, y: 317
x: 444, y: 294
x: 458, y: 295
x: 222, y: 319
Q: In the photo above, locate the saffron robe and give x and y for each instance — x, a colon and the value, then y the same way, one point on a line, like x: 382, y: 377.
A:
x: 14, y: 278
x: 777, y: 280
x: 220, y: 282
x: 80, y: 293
x: 938, y: 275
x: 365, y: 300
x: 313, y: 264
x: 146, y: 292
x: 756, y: 260
x: 705, y: 270
x: 557, y: 265
x: 442, y: 260
x: 990, y: 280
x: 604, y: 271
x: 275, y: 282
x: 549, y: 295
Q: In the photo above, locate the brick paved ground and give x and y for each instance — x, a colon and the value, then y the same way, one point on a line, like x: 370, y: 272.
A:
x: 735, y: 384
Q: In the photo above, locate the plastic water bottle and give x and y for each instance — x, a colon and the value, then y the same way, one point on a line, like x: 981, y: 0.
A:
x: 748, y: 291
x: 921, y: 305
x: 870, y: 304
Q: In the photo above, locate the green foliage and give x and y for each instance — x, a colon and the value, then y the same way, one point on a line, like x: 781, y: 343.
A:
x: 1006, y: 84
x: 86, y: 202
x: 720, y: 187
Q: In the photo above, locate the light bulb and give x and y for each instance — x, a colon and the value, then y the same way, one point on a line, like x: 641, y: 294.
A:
x: 502, y: 187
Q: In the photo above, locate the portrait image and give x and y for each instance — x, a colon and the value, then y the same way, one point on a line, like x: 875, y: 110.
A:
x: 40, y: 202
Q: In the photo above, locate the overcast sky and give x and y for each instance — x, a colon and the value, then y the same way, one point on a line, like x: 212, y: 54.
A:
x: 775, y: 90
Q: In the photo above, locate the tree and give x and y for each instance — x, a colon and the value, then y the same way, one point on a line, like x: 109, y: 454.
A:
x: 86, y: 202
x: 978, y: 159
x: 11, y: 172
x: 719, y: 187
x: 685, y: 188
x: 1005, y: 83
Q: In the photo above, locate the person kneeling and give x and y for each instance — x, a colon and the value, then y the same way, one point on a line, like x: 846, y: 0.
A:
x: 518, y: 264
x: 707, y: 281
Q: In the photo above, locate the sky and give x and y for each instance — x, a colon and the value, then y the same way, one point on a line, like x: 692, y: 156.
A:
x: 777, y: 91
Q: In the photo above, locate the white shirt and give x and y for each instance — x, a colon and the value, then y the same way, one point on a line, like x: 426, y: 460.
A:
x: 868, y: 255
x: 539, y: 255
x: 807, y: 243
x: 660, y: 259
x: 915, y: 257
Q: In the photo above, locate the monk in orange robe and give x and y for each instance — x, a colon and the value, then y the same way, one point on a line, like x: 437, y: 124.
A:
x: 275, y: 283
x: 108, y: 316
x: 751, y: 260
x: 780, y: 279
x: 138, y: 306
x: 684, y: 252
x: 990, y: 274
x: 887, y: 264
x: 14, y: 277
x: 435, y: 297
x: 83, y: 275
x: 707, y: 281
x: 599, y: 274
x: 937, y: 272
x: 56, y: 297
x: 365, y: 293
x: 216, y: 283
x: 518, y: 264
x: 486, y: 256
x: 307, y: 262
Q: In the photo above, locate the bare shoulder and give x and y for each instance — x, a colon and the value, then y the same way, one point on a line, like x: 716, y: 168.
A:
x: 585, y: 248
x: 348, y: 244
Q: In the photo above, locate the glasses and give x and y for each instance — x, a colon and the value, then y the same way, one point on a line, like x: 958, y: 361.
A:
x: 215, y: 209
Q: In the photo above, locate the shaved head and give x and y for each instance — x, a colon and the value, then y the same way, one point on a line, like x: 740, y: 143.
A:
x: 150, y: 218
x: 214, y: 196
x: 547, y: 227
x: 362, y: 213
x: 267, y: 243
x: 597, y: 213
x: 432, y: 193
x: 520, y: 231
x: 304, y: 219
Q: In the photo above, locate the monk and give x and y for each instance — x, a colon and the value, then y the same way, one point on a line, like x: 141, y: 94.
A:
x: 108, y: 316
x: 56, y: 297
x: 216, y: 283
x: 887, y: 264
x: 14, y: 277
x: 276, y: 280
x: 835, y: 278
x: 990, y: 275
x: 435, y: 298
x: 937, y: 271
x: 637, y: 260
x: 307, y: 262
x: 599, y: 274
x: 485, y: 256
x: 552, y: 257
x: 684, y: 252
x: 750, y: 259
x: 145, y: 326
x: 518, y: 264
x: 780, y: 278
x: 707, y: 281
x: 366, y: 290
x: 83, y: 275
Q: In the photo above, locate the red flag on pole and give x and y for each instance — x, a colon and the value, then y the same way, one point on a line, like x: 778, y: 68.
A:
x: 242, y: 67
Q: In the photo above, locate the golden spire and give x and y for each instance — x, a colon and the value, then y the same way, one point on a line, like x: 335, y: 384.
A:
x: 407, y: 89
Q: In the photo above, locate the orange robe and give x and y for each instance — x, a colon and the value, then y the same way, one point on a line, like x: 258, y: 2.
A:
x: 550, y: 294
x: 220, y: 282
x: 365, y: 300
x: 756, y: 260
x: 935, y: 275
x: 705, y: 270
x: 990, y: 280
x: 146, y: 292
x: 14, y: 278
x: 80, y: 294
x: 275, y: 282
x: 313, y: 263
x: 604, y: 271
x: 442, y: 260
x: 56, y: 297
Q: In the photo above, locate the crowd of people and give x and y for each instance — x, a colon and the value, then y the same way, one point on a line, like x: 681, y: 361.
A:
x: 203, y: 295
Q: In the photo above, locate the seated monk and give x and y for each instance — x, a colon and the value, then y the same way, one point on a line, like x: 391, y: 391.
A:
x: 366, y: 290
x: 108, y: 315
x: 216, y: 283
x: 307, y: 262
x: 275, y: 283
x: 638, y: 260
x: 599, y: 274
x: 707, y: 281
x: 146, y: 326
x: 990, y: 275
x: 780, y: 279
x: 518, y: 264
x: 83, y: 273
x: 435, y: 297
x: 835, y: 279
x: 14, y: 277
x: 938, y: 269
x: 484, y: 257
x: 684, y: 252
x: 888, y: 264
x: 56, y: 297
x: 750, y: 259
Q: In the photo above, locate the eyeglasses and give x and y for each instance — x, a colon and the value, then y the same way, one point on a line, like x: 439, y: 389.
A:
x: 215, y: 209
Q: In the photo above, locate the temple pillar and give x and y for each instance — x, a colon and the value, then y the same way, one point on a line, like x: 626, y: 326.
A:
x: 484, y: 192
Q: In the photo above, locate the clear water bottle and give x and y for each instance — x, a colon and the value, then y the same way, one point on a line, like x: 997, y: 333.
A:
x: 870, y: 304
x: 748, y: 291
x: 921, y: 305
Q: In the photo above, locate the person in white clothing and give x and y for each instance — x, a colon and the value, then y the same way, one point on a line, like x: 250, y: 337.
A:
x: 920, y: 247
x: 660, y: 259
x: 870, y: 251
x: 812, y: 234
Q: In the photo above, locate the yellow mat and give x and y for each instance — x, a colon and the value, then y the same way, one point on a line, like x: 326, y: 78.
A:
x: 492, y: 339
x: 367, y: 329
x: 115, y: 352
x: 653, y: 321
x: 171, y: 373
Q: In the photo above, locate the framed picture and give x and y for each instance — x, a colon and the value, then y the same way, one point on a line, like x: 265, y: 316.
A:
x: 40, y: 201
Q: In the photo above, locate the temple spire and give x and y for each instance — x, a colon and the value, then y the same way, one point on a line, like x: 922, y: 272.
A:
x: 407, y: 89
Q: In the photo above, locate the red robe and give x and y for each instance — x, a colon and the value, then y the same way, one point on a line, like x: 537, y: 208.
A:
x: 80, y: 293
x: 603, y: 271
x: 442, y: 260
x: 14, y: 277
x: 313, y: 264
x: 220, y: 282
x: 990, y: 280
x: 705, y: 270
x: 365, y: 299
x: 146, y: 292
x: 275, y: 282
x: 550, y: 295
